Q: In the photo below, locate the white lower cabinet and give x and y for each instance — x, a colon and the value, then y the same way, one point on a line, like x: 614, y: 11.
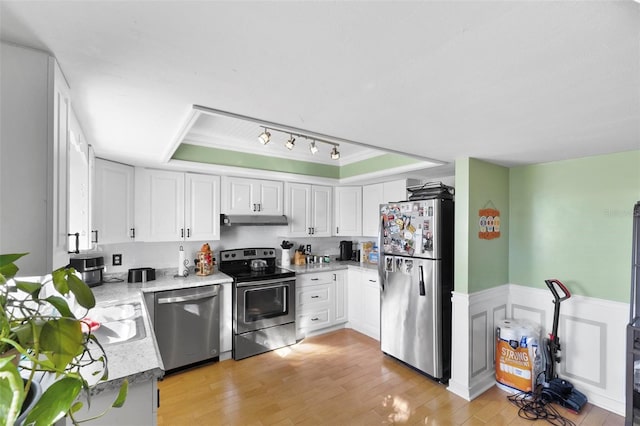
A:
x: 226, y: 323
x: 320, y: 301
x: 364, y: 301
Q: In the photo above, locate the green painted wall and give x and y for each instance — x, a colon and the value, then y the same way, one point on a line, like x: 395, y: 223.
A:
x: 201, y: 154
x: 461, y: 247
x: 480, y: 263
x: 370, y: 165
x: 572, y: 220
x: 225, y: 157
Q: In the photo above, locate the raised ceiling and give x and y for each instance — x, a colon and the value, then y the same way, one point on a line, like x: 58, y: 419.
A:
x: 507, y: 82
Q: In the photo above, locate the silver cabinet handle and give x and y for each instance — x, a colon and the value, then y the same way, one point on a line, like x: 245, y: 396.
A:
x: 315, y: 319
x: 179, y: 299
x: 315, y: 279
x: 315, y: 297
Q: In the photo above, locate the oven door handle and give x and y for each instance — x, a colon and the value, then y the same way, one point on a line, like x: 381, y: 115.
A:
x: 265, y: 282
x: 179, y: 299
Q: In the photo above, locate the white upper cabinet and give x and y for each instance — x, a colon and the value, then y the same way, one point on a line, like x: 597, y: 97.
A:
x: 61, y: 143
x: 34, y: 143
x: 159, y: 205
x: 202, y: 207
x: 164, y: 213
x: 347, y: 211
x: 80, y: 169
x: 252, y: 196
x: 113, y: 202
x: 308, y: 210
x: 373, y: 196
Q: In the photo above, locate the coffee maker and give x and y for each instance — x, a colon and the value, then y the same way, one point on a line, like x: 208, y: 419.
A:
x: 346, y: 250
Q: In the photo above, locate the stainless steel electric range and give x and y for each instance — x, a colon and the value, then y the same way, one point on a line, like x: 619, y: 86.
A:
x: 264, y: 301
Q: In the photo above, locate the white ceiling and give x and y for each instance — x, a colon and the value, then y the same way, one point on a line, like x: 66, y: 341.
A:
x: 508, y: 82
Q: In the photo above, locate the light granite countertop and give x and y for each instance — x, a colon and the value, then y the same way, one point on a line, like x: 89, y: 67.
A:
x: 139, y: 360
x: 334, y: 265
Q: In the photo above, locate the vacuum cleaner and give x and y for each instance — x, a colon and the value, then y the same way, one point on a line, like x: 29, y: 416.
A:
x: 555, y: 389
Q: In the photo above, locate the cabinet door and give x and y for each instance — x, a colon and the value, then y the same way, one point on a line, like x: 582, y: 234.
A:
x: 355, y: 299
x: 79, y: 187
x: 226, y: 316
x: 341, y: 297
x: 270, y: 197
x: 61, y: 120
x: 159, y: 208
x: 202, y: 207
x: 372, y: 197
x: 348, y: 211
x: 321, y: 212
x: 299, y: 209
x: 113, y: 202
x: 239, y: 198
x: 396, y: 190
x: 371, y: 298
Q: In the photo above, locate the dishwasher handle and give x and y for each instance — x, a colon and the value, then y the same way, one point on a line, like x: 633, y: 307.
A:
x: 179, y: 299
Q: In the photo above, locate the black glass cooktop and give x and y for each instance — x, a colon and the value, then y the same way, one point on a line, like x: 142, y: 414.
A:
x: 253, y: 264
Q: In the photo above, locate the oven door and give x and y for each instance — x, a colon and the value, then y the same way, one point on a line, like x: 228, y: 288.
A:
x: 263, y: 304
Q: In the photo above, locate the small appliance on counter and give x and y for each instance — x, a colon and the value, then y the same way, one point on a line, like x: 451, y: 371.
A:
x: 90, y: 268
x: 141, y: 275
x: 346, y: 250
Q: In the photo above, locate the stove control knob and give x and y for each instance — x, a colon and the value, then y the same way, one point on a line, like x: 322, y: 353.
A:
x: 271, y: 252
x: 226, y: 255
x: 233, y: 255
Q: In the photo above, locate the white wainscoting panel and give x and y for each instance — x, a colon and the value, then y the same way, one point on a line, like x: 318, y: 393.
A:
x: 591, y: 332
x: 592, y: 340
x: 474, y: 319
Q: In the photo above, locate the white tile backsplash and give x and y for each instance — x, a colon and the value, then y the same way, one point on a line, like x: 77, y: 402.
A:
x: 165, y: 255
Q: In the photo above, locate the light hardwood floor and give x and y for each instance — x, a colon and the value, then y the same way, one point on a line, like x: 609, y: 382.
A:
x: 339, y: 378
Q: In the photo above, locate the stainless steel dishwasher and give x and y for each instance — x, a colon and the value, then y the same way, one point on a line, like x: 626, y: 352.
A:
x: 187, y: 325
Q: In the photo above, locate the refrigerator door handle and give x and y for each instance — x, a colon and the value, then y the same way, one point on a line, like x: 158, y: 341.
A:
x: 423, y: 291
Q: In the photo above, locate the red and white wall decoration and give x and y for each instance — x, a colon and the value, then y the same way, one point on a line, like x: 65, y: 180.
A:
x: 489, y: 221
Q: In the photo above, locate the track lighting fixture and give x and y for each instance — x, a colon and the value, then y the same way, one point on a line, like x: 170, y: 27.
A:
x: 264, y: 137
x: 335, y: 154
x: 313, y: 148
x: 290, y: 143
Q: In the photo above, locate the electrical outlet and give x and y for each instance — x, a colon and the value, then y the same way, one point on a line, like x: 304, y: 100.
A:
x: 308, y: 248
x: 117, y: 260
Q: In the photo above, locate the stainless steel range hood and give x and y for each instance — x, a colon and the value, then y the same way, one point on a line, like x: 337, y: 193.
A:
x: 252, y: 220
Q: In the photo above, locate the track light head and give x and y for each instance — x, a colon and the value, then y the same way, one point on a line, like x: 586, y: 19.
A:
x: 290, y: 143
x: 335, y: 154
x: 264, y: 137
x: 313, y: 148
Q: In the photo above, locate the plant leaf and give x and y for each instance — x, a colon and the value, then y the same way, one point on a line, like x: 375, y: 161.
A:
x: 61, y: 340
x: 60, y: 281
x: 122, y: 395
x: 7, y: 272
x: 29, y: 287
x: 55, y: 402
x: 6, y: 259
x: 61, y: 305
x: 11, y: 391
x: 76, y: 407
x: 83, y: 293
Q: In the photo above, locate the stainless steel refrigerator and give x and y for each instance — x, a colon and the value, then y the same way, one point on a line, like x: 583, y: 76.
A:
x: 416, y: 278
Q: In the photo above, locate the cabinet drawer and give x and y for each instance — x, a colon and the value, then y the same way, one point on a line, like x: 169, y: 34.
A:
x: 314, y: 320
x: 314, y: 279
x: 313, y: 294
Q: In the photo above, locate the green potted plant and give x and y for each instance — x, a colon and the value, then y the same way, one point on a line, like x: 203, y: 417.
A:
x: 41, y: 335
